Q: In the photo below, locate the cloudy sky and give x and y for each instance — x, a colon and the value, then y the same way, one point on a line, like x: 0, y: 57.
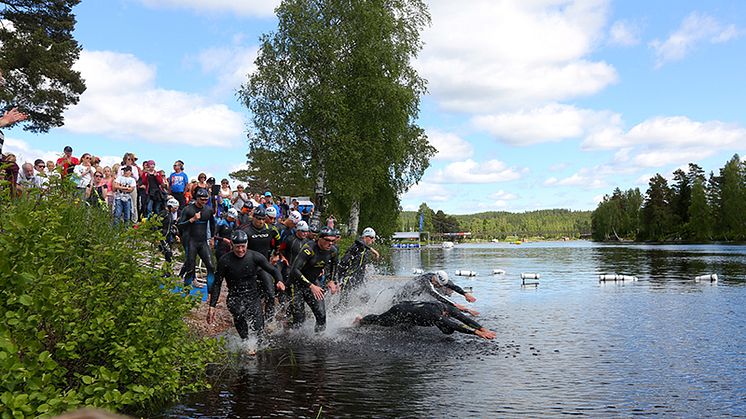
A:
x: 531, y: 104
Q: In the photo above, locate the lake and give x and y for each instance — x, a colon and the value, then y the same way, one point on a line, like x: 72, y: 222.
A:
x: 663, y: 345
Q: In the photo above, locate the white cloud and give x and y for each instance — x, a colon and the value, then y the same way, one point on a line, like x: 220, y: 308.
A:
x: 502, y: 195
x: 552, y: 122
x: 450, y: 146
x: 122, y: 101
x: 585, y: 179
x: 425, y: 191
x: 695, y: 29
x: 232, y: 65
x: 672, y: 131
x: 469, y: 171
x: 261, y: 8
x: 624, y: 33
x: 496, y: 55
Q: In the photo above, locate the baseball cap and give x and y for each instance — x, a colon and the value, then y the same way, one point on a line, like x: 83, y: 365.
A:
x: 268, y: 193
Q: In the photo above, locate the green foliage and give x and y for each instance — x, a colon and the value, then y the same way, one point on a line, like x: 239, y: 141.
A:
x: 86, y: 322
x: 617, y: 216
x: 37, y: 52
x: 693, y: 209
x: 500, y: 225
x: 336, y: 98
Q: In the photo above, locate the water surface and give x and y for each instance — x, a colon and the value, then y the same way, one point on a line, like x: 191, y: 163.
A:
x: 663, y: 345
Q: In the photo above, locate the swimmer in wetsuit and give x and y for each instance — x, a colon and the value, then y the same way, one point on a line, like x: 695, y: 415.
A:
x: 435, y: 286
x: 353, y: 263
x: 426, y: 313
x: 316, y: 260
x: 239, y: 268
x: 197, y: 225
x: 264, y: 240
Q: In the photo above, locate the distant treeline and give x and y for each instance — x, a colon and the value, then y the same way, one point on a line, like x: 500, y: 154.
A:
x: 695, y: 207
x: 499, y: 225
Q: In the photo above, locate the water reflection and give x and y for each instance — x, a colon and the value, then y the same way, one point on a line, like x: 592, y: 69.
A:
x: 662, y: 345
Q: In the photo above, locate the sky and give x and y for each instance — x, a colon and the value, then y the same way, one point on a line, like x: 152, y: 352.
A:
x: 531, y: 104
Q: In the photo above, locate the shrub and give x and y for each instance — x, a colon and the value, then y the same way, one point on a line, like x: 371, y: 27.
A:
x: 85, y: 318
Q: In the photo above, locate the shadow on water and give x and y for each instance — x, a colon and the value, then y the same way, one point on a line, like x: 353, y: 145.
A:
x: 663, y: 345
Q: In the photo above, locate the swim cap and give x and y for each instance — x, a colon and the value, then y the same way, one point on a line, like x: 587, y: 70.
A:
x: 173, y: 203
x: 239, y: 237
x: 201, y: 193
x: 326, y: 232
x: 369, y: 232
x: 260, y: 212
x: 442, y: 277
x: 271, y: 212
x: 232, y: 213
x: 302, y: 226
x: 295, y: 217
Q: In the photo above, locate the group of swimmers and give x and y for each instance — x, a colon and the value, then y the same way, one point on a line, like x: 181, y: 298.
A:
x: 265, y: 261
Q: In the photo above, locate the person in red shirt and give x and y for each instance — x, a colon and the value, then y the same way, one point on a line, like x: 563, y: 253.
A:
x: 67, y: 161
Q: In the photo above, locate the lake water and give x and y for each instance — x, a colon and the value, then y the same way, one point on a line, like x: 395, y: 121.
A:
x: 663, y: 345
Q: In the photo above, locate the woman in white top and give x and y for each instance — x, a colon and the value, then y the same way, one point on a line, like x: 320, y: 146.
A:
x: 129, y: 159
x: 84, y: 172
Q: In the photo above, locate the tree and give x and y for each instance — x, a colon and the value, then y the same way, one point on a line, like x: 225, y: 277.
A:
x: 657, y: 216
x: 427, y: 218
x: 699, y: 227
x: 37, y: 52
x: 335, y: 89
x: 731, y: 208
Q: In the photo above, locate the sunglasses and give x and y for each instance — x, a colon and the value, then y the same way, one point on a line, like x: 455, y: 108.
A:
x: 328, y: 239
x: 98, y: 176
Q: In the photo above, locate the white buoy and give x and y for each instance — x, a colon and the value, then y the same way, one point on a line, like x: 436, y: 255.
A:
x: 525, y: 276
x: 498, y: 272
x: 465, y: 273
x: 708, y: 277
x: 616, y: 277
x: 418, y: 271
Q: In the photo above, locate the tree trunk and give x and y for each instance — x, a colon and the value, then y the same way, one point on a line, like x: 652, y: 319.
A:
x: 319, y: 203
x: 354, y: 218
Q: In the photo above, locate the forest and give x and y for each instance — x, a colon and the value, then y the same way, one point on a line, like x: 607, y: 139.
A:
x: 551, y: 223
x: 693, y: 207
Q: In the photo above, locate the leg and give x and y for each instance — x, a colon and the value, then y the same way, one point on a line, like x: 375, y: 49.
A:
x: 237, y: 307
x: 397, y: 314
x: 297, y: 306
x: 117, y: 211
x: 126, y: 208
x: 268, y: 291
x: 203, y: 250
x: 318, y: 308
x: 189, y: 259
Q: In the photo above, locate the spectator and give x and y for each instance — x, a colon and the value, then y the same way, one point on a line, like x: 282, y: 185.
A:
x: 9, y: 170
x: 27, y: 179
x: 109, y: 179
x: 67, y: 162
x: 123, y: 187
x: 284, y: 209
x: 178, y: 182
x: 96, y: 192
x: 239, y: 198
x: 154, y: 188
x: 84, y: 173
x: 129, y: 159
x: 10, y: 117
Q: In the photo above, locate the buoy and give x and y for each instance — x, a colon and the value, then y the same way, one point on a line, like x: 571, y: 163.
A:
x: 418, y: 271
x: 498, y: 272
x: 525, y: 276
x: 465, y: 273
x: 708, y: 277
x: 616, y: 277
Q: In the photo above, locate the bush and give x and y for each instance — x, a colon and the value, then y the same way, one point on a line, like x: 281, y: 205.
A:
x: 85, y: 319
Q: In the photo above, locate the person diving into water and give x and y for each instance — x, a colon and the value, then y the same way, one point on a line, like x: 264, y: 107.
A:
x: 426, y: 313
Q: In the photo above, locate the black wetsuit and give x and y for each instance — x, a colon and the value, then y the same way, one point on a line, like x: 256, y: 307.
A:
x: 195, y: 237
x: 423, y: 313
x: 169, y: 231
x: 352, y: 266
x: 264, y: 240
x: 307, y: 269
x: 243, y: 294
x: 422, y: 288
x: 223, y: 231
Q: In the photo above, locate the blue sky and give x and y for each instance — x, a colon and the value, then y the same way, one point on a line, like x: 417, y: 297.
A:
x: 531, y: 104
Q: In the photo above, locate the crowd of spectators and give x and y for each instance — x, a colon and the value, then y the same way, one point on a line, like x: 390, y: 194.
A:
x: 132, y: 191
